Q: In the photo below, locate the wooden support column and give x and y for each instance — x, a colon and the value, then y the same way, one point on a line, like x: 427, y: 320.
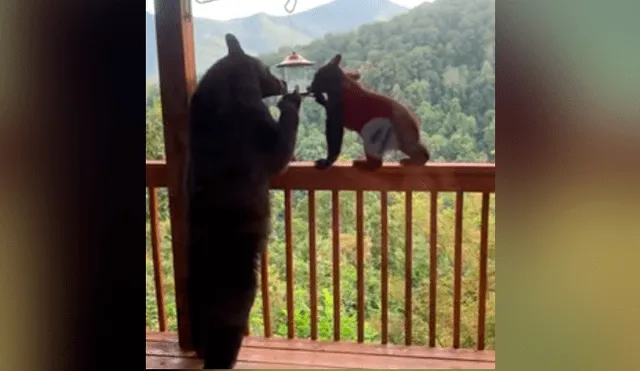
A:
x: 174, y: 34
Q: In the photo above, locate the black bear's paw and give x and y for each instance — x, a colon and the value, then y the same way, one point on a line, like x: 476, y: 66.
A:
x: 323, y: 164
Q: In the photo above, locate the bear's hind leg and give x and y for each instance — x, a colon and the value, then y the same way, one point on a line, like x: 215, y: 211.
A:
x: 229, y: 307
x: 222, y: 347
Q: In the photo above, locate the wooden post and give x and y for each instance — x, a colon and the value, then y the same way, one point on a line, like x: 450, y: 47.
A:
x: 174, y: 34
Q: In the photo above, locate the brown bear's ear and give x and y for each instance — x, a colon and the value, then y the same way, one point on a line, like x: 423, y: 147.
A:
x: 336, y: 59
x: 233, y: 45
x: 352, y: 74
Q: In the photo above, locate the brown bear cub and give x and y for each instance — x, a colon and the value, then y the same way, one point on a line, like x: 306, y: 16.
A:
x: 235, y: 147
x: 383, y: 123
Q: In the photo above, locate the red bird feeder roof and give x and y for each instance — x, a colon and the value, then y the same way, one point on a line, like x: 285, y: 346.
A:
x: 294, y: 60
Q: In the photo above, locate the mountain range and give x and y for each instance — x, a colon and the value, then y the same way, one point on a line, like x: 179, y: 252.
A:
x: 261, y: 33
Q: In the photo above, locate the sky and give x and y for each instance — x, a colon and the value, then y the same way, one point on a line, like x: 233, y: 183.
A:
x: 229, y: 9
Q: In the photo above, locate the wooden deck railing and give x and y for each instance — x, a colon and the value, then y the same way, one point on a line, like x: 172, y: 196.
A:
x: 434, y: 178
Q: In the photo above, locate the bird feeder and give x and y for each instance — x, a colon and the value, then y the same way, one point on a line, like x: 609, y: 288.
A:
x: 296, y: 70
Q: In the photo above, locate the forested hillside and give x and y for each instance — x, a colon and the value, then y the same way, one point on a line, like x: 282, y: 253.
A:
x: 262, y: 32
x: 439, y: 60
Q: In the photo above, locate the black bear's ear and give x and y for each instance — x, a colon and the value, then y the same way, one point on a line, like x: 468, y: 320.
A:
x: 336, y: 59
x: 233, y: 45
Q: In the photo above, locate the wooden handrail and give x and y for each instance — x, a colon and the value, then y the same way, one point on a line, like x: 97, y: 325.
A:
x: 156, y: 173
x: 434, y: 178
x: 441, y: 177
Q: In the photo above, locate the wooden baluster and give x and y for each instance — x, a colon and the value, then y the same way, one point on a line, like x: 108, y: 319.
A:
x: 335, y: 216
x: 457, y: 272
x: 157, y: 259
x: 482, y: 295
x: 313, y: 286
x: 266, y: 307
x: 146, y: 259
x: 360, y: 262
x: 407, y: 269
x: 433, y: 267
x: 384, y: 249
x: 289, y: 263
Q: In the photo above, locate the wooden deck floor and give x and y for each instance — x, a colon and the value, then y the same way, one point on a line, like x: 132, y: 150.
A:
x: 259, y: 353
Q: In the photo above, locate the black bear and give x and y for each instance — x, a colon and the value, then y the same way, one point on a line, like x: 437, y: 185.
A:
x: 235, y: 147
